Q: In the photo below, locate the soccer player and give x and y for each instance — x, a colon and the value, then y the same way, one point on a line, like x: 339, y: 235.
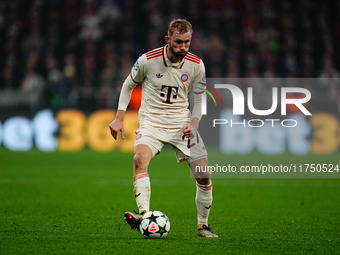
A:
x: 168, y: 73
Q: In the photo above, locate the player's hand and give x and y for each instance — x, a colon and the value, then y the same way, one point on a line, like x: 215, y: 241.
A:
x: 188, y: 131
x: 116, y: 126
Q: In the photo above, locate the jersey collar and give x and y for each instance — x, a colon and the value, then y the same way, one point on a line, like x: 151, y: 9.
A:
x: 167, y: 61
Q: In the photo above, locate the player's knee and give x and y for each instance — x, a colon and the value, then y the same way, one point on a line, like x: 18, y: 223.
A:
x: 140, y: 161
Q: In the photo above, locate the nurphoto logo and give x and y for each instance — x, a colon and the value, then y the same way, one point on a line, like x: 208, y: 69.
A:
x: 239, y: 102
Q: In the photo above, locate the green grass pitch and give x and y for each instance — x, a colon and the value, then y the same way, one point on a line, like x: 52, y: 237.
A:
x: 73, y: 203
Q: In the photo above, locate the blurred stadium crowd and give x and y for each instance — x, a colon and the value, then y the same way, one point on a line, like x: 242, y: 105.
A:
x: 77, y: 53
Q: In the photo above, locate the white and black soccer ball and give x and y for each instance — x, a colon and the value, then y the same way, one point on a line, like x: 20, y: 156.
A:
x: 154, y: 224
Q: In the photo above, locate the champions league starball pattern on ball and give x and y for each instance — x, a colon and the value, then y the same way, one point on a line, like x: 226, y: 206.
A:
x: 154, y: 224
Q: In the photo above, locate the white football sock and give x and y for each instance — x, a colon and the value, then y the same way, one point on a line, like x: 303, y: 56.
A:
x: 142, y: 190
x: 203, y: 201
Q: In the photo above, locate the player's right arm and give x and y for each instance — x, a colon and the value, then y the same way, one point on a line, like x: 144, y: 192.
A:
x: 136, y: 76
x: 117, y: 125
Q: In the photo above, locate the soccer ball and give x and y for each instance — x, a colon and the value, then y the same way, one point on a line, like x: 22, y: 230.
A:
x: 154, y: 224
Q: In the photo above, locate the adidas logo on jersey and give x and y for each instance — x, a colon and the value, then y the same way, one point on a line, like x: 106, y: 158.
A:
x: 159, y: 75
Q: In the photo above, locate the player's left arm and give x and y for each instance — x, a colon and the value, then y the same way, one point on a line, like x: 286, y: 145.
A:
x: 190, y: 130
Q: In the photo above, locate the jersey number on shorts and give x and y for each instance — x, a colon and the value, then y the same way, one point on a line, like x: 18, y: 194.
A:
x: 190, y: 143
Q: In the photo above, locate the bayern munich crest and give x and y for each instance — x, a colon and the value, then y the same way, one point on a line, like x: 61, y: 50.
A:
x: 184, y: 77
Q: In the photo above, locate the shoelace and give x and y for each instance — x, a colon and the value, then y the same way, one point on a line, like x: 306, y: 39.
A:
x: 207, y: 228
x: 142, y: 213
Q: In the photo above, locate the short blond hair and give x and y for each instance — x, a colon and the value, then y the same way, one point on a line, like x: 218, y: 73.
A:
x: 181, y: 25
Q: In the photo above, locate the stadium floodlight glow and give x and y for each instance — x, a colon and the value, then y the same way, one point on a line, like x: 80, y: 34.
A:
x: 238, y: 100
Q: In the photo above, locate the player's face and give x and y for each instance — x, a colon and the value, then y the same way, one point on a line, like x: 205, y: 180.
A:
x: 179, y: 44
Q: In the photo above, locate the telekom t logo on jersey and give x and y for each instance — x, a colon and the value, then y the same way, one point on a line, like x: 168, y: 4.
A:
x: 238, y: 100
x: 168, y: 93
